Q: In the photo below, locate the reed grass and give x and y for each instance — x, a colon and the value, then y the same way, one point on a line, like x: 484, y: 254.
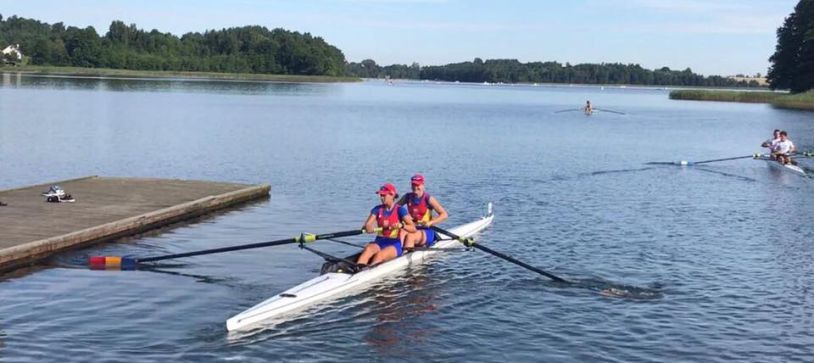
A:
x: 800, y: 101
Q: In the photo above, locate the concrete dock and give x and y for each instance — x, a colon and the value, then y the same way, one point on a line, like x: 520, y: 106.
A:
x: 32, y: 229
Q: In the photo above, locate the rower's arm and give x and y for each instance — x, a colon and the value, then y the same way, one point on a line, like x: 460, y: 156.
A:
x: 408, y: 224
x: 370, y: 224
x: 442, y: 213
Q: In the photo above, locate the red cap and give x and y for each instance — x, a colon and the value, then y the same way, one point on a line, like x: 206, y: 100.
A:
x: 387, y: 188
x: 417, y: 179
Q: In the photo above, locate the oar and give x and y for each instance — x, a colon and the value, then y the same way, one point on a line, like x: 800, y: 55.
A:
x: 129, y: 263
x: 611, y: 111
x: 685, y: 163
x: 470, y: 242
x: 568, y: 110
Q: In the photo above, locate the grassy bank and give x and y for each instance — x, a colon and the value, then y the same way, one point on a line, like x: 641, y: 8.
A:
x: 724, y: 96
x: 128, y: 73
x: 801, y: 101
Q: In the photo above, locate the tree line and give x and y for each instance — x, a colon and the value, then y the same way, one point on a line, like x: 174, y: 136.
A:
x: 248, y: 49
x: 513, y: 71
x: 793, y: 60
x: 256, y: 49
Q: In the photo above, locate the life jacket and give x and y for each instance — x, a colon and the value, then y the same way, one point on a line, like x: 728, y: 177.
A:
x: 420, y: 210
x: 393, y: 221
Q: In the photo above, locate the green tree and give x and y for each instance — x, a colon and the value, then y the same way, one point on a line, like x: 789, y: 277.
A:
x: 244, y: 49
x: 793, y: 60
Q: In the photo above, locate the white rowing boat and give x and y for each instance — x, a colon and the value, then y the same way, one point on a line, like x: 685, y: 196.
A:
x: 794, y: 169
x: 331, y: 284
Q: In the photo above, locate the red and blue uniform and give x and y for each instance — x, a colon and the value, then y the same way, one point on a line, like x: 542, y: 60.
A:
x: 421, y: 211
x: 389, y: 236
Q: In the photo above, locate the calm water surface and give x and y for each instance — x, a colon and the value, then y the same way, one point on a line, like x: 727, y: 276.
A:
x: 724, y: 249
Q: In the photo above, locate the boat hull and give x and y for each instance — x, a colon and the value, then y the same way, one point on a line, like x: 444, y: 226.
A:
x: 331, y: 284
x: 794, y: 169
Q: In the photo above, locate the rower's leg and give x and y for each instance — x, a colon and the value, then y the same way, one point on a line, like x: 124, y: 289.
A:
x: 421, y: 238
x: 370, y: 250
x: 387, y: 254
x: 403, y: 237
x: 409, y: 241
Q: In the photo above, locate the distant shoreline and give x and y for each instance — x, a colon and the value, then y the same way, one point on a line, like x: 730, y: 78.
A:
x: 129, y: 73
x: 800, y: 101
x: 565, y: 84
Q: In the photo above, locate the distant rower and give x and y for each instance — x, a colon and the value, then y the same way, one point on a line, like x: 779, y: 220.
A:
x: 588, y: 109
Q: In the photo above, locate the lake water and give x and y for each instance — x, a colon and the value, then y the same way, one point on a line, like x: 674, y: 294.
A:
x: 719, y: 255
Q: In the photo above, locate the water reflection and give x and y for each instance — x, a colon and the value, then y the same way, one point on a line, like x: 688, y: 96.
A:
x: 11, y: 79
x: 123, y: 84
x: 397, y: 330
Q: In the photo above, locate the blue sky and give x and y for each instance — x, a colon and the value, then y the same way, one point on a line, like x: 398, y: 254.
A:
x: 710, y: 36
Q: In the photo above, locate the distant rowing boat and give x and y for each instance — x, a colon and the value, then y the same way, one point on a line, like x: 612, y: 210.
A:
x: 330, y: 284
x: 591, y: 111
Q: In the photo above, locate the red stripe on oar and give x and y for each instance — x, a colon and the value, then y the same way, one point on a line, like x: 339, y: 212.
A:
x: 97, y: 262
x: 103, y: 262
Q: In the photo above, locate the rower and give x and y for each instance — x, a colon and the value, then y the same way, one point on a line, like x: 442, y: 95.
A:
x: 771, y: 142
x: 588, y: 109
x: 783, y: 149
x: 421, y: 205
x: 391, y: 218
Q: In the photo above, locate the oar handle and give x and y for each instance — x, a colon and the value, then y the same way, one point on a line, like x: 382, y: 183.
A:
x: 450, y: 234
x: 344, y: 234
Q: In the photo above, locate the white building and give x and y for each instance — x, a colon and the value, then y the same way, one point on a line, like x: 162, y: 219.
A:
x: 15, y: 50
